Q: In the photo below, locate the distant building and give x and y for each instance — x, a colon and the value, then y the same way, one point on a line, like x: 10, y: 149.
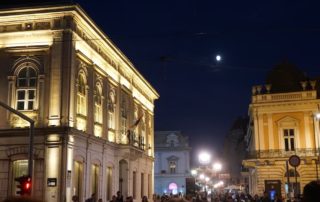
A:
x: 234, y: 151
x: 283, y: 123
x: 93, y: 110
x: 172, y: 162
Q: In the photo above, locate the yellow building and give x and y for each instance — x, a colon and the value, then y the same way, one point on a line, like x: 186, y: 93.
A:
x: 58, y: 68
x: 283, y: 123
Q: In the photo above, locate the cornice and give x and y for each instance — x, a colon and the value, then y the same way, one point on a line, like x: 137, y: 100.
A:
x: 98, y: 37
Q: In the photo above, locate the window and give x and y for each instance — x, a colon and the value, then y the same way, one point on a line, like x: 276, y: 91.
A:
x: 173, y: 188
x: 123, y: 125
x: 78, y: 179
x: 172, y: 166
x: 134, y: 184
x: 26, y: 88
x: 81, y: 96
x: 111, y: 109
x: 142, y: 185
x: 20, y: 168
x: 111, y: 120
x: 288, y: 135
x: 94, y: 179
x: 109, y: 183
x: 149, y: 185
x: 98, y: 105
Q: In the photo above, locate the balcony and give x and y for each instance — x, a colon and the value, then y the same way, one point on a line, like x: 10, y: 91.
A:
x: 281, y: 97
x: 281, y: 153
x: 135, y: 140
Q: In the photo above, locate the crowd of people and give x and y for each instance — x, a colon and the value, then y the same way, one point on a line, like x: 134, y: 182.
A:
x: 115, y: 198
x: 311, y: 193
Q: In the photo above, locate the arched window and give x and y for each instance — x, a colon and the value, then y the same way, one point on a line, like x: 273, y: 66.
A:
x: 26, y: 88
x: 111, y: 109
x: 98, y: 110
x: 81, y: 95
x: 98, y: 104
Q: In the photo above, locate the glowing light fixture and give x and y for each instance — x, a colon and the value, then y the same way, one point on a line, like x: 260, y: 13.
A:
x: 204, y: 157
x: 217, y: 166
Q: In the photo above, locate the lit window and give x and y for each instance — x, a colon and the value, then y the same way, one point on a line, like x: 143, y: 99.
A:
x: 81, y: 96
x: 20, y: 168
x: 111, y: 109
x: 26, y: 89
x: 172, y: 166
x: 77, y: 180
x: 111, y: 120
x: 94, y: 179
x: 173, y: 187
x: 98, y: 105
x: 123, y: 126
x: 288, y: 135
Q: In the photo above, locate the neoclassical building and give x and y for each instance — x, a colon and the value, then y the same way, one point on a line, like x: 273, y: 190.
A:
x: 93, y: 111
x: 172, y: 162
x: 283, y: 122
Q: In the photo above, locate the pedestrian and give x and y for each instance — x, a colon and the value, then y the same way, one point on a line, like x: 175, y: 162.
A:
x: 311, y: 192
x: 144, y: 199
x: 92, y: 198
x: 113, y: 199
x: 75, y: 198
x: 129, y: 199
x: 119, y: 197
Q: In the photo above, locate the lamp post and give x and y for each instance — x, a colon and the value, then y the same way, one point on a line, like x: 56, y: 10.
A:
x: 204, y: 160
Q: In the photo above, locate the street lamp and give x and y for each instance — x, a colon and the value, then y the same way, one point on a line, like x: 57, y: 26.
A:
x: 194, y: 173
x: 217, y: 166
x: 204, y: 158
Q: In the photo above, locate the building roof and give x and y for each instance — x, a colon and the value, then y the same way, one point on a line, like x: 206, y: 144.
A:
x: 20, y: 8
x: 170, y: 139
x: 285, y: 77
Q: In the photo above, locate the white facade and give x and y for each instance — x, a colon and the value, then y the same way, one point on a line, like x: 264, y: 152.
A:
x: 93, y: 110
x: 172, y: 162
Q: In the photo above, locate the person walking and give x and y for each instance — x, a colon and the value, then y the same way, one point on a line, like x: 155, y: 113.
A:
x: 119, y: 197
x: 75, y: 198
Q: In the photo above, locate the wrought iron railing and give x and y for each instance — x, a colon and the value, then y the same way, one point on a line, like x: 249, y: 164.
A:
x: 276, y: 153
x: 135, y: 140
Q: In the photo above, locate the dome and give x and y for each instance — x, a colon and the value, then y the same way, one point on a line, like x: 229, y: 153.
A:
x: 285, y: 77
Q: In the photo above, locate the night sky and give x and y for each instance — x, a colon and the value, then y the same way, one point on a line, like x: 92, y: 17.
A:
x: 173, y: 43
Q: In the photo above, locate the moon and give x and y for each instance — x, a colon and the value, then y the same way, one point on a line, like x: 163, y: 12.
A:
x: 218, y: 58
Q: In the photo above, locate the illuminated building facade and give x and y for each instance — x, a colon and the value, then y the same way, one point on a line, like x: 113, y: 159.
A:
x: 93, y: 110
x: 283, y: 123
x: 172, y: 162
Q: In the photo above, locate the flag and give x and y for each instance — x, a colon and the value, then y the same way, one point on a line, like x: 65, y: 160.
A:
x: 136, y: 123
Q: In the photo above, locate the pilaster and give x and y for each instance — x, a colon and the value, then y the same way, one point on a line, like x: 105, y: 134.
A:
x: 55, y: 80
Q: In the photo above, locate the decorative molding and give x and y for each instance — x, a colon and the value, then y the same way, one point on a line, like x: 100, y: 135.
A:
x: 24, y: 150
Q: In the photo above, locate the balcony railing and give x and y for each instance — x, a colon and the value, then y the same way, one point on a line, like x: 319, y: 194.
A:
x: 280, y: 97
x: 278, y: 153
x: 135, y: 140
